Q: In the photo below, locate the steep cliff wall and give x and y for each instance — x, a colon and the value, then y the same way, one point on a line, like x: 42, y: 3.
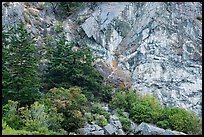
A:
x: 156, y: 45
x: 160, y: 44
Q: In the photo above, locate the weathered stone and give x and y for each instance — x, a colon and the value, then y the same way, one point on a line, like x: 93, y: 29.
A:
x: 100, y: 132
x: 132, y: 126
x: 117, y: 124
x: 120, y: 132
x: 148, y: 129
x: 169, y: 132
x: 109, y: 129
x: 91, y: 129
x: 131, y: 133
x: 84, y: 131
x: 114, y: 118
x: 96, y: 127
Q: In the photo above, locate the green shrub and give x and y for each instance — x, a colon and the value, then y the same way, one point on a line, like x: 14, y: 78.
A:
x: 35, y: 120
x: 125, y: 123
x: 10, y: 115
x: 156, y: 107
x: 89, y: 118
x: 120, y: 112
x: 123, y: 119
x: 147, y: 110
x: 119, y: 101
x: 96, y: 109
x: 106, y: 115
x: 59, y: 27
x: 124, y: 100
x: 185, y: 121
x: 11, y: 131
x: 106, y: 93
x: 70, y: 102
x: 141, y: 112
x: 101, y: 121
x: 163, y: 124
x: 179, y: 119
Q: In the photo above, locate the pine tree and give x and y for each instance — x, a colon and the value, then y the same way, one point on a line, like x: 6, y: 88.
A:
x: 20, y: 79
x: 72, y: 65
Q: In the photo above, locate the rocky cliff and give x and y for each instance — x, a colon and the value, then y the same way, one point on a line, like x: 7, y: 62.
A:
x: 155, y: 48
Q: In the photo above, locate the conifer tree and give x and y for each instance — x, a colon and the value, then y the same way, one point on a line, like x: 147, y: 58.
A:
x: 72, y: 65
x: 20, y: 79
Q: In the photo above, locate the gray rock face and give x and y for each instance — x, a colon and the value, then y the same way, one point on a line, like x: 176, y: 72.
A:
x: 159, y: 43
x: 147, y: 129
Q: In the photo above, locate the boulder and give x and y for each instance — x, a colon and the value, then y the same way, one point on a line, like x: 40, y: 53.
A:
x: 148, y: 129
x: 109, y: 129
x: 120, y: 132
x: 169, y: 132
x: 91, y: 129
x: 84, y: 131
x: 132, y: 126
x: 96, y: 127
x: 116, y: 124
x: 114, y: 120
x: 100, y: 132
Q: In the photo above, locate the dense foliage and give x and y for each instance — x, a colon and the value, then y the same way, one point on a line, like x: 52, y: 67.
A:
x: 123, y: 99
x: 147, y: 109
x: 180, y: 120
x: 19, y: 70
x: 37, y: 118
x: 70, y: 102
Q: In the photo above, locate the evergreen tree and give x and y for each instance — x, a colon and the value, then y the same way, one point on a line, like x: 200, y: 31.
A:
x: 20, y: 79
x: 71, y: 65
